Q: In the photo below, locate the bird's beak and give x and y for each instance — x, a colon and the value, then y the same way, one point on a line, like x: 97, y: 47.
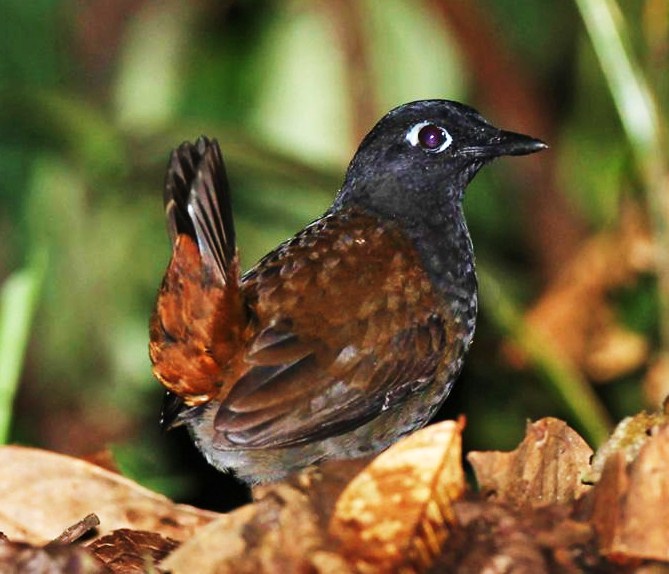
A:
x: 505, y: 143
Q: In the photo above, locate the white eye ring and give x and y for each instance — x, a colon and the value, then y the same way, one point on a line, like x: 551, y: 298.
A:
x: 413, y: 139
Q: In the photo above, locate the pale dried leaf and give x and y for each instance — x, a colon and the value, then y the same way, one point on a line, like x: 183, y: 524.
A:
x: 395, y: 514
x: 44, y: 492
x: 546, y: 468
x: 214, y: 547
x: 278, y: 533
x: 323, y: 484
x: 628, y: 438
x: 614, y: 352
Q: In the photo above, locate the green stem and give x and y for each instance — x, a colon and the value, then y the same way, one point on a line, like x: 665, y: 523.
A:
x: 563, y: 379
x: 641, y: 122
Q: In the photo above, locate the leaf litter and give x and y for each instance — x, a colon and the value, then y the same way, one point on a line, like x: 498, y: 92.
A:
x: 540, y: 508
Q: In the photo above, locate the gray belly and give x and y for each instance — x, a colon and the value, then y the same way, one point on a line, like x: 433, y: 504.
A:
x: 267, y: 465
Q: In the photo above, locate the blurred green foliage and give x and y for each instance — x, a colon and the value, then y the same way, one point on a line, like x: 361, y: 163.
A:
x: 94, y: 95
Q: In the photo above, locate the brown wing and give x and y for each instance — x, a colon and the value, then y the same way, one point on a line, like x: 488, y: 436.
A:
x: 347, y: 324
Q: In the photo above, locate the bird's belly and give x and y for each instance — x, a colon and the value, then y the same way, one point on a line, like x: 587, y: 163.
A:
x: 271, y: 464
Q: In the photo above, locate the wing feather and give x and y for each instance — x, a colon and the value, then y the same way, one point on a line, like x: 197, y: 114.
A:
x: 197, y: 203
x: 349, y: 324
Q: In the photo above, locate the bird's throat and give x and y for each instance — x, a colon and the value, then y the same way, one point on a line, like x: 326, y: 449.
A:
x: 445, y: 248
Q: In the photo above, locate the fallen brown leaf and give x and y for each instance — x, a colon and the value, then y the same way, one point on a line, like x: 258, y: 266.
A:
x: 23, y: 558
x: 323, y: 485
x: 614, y: 352
x: 127, y: 551
x: 278, y: 533
x: 629, y: 436
x: 395, y: 514
x: 43, y: 492
x: 631, y: 503
x: 546, y: 468
x: 593, y: 341
x: 58, y: 556
x: 497, y: 539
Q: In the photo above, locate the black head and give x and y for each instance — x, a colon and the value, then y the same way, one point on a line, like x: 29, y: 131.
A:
x: 420, y: 157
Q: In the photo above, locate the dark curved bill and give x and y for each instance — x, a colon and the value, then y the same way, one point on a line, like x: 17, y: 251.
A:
x: 505, y: 143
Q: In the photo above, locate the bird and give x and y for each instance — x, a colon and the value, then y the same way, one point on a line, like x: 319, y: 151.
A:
x: 348, y: 335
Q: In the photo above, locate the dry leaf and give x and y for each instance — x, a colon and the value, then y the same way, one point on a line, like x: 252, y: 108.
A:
x: 592, y: 341
x: 42, y: 492
x: 22, y: 558
x: 631, y: 503
x: 395, y: 515
x: 58, y: 556
x: 627, y: 438
x: 546, y: 468
x: 278, y: 533
x: 656, y: 383
x: 214, y: 547
x: 130, y: 551
x: 103, y: 458
x: 323, y: 484
x: 498, y: 539
x: 615, y: 352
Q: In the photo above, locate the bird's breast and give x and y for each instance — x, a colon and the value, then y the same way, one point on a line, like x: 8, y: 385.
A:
x: 447, y: 256
x: 350, y: 281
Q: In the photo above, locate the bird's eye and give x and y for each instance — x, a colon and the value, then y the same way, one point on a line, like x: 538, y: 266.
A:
x: 431, y: 138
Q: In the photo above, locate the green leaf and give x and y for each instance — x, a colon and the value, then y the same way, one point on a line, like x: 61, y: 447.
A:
x: 18, y: 300
x: 627, y: 84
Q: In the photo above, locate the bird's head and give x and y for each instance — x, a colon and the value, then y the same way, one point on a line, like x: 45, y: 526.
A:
x: 422, y: 155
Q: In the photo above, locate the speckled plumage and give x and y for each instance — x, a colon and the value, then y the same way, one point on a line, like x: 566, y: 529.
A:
x: 347, y: 336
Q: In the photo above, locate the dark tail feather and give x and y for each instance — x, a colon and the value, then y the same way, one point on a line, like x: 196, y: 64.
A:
x: 175, y: 412
x: 169, y: 412
x: 197, y: 202
x: 180, y: 175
